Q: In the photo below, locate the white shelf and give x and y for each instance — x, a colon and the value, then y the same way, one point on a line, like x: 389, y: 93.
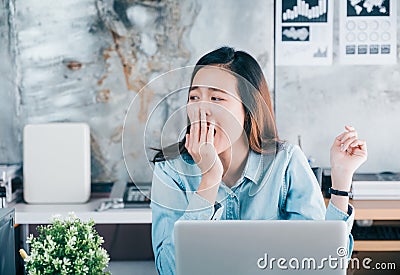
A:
x: 42, y: 213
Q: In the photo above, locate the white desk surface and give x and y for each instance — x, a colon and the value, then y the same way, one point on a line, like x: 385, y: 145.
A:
x: 42, y: 213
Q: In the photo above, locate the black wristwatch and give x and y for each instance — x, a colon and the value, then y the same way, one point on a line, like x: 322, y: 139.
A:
x: 339, y: 193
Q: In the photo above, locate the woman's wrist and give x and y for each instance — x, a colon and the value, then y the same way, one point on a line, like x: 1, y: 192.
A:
x: 212, y: 176
x: 341, y: 179
x: 208, y: 187
x: 342, y: 171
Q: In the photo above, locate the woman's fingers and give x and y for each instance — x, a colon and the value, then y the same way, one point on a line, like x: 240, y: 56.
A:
x: 203, y: 126
x: 199, y: 132
x: 359, y: 143
x: 349, y: 128
x: 210, y: 134
x: 346, y: 135
x: 187, y: 141
x: 359, y: 147
x: 191, y: 134
x: 195, y: 136
x: 345, y: 139
x: 354, y: 146
x: 345, y: 145
x: 190, y: 142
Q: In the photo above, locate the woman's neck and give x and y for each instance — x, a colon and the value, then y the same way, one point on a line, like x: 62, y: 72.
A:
x: 234, y: 161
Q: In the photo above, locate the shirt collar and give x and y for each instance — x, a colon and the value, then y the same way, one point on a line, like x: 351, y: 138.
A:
x: 258, y: 165
x: 254, y: 166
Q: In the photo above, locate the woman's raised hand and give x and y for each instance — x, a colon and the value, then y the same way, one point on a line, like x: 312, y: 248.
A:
x: 347, y: 154
x: 200, y: 144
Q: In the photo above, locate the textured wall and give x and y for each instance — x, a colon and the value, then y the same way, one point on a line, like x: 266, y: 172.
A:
x: 85, y: 60
x: 316, y: 102
x: 10, y: 150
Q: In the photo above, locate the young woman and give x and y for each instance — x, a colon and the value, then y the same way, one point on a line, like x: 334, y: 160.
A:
x: 231, y: 163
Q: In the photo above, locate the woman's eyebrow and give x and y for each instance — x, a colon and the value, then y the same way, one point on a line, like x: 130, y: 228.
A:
x: 210, y: 88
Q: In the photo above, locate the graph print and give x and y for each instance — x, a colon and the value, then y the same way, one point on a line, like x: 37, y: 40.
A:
x: 304, y: 11
x: 295, y: 33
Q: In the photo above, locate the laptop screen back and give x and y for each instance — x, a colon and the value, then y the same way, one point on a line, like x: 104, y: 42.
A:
x: 260, y: 247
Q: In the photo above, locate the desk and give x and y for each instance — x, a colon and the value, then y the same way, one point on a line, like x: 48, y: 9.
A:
x: 376, y: 210
x: 42, y: 213
x: 26, y: 214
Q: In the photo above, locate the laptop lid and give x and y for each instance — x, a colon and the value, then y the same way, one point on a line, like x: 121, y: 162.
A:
x: 260, y: 247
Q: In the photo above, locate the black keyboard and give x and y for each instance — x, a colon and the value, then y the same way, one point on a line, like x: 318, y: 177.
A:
x: 376, y: 232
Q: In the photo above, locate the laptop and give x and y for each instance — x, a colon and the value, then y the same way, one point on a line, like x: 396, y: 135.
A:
x: 260, y: 247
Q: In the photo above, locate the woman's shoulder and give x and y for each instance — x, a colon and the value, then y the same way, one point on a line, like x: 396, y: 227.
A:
x: 292, y: 153
x: 182, y: 161
x: 286, y: 149
x: 290, y: 148
x: 285, y: 154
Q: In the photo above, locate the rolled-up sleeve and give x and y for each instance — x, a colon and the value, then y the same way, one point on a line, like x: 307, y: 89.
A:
x: 334, y: 213
x: 172, y: 202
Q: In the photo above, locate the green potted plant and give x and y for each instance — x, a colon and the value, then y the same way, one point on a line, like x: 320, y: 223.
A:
x: 68, y: 246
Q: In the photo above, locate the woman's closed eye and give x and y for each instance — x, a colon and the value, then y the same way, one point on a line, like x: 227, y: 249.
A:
x: 193, y: 97
x: 214, y: 98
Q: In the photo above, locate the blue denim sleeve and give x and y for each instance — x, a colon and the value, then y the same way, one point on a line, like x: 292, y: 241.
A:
x: 172, y: 202
x: 303, y: 195
x: 304, y: 199
x: 334, y: 213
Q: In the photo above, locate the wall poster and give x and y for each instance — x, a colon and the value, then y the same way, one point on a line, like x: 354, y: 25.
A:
x: 368, y: 32
x: 304, y: 32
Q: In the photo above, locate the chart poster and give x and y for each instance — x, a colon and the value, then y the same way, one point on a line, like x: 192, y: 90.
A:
x: 368, y: 32
x: 304, y: 32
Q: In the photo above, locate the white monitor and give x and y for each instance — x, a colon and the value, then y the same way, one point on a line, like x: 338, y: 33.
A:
x: 56, y: 164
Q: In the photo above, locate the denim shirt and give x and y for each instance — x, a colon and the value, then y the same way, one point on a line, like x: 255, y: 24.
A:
x: 280, y: 188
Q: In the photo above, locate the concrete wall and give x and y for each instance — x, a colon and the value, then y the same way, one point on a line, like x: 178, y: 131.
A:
x: 10, y: 149
x: 85, y: 60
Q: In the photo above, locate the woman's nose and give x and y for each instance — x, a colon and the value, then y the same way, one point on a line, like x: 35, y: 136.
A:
x: 206, y: 107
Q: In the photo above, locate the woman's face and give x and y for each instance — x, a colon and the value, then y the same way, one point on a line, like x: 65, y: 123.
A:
x: 214, y: 90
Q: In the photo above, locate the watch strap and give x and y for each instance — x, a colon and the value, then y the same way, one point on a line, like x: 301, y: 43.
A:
x: 339, y: 192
